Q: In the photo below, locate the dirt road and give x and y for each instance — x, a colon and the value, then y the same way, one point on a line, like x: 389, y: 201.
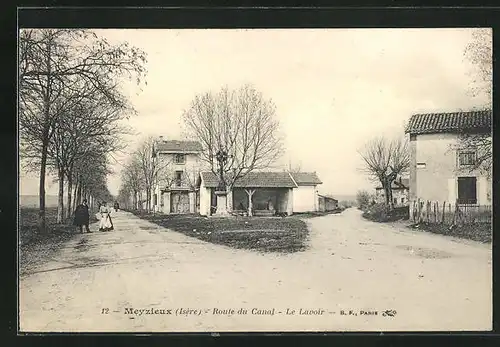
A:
x: 115, y: 281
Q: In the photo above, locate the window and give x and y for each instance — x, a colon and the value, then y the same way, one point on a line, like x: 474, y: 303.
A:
x: 421, y: 165
x: 180, y: 158
x: 395, y: 201
x: 466, y: 158
x: 178, y: 178
x: 467, y: 190
x: 155, y: 201
x: 402, y: 200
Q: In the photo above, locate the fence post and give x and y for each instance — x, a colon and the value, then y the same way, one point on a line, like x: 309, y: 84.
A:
x: 414, y: 211
x: 422, y: 211
x: 418, y: 210
x: 456, y: 215
x: 444, y: 210
x: 412, y: 215
x: 449, y: 211
x: 428, y: 210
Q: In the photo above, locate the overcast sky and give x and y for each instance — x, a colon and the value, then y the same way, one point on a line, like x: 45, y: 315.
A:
x: 334, y: 89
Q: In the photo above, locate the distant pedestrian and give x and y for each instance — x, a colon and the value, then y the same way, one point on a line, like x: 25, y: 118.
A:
x: 116, y: 206
x: 82, y: 216
x: 105, y: 224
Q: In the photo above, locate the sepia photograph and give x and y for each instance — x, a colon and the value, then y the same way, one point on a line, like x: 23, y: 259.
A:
x: 255, y: 180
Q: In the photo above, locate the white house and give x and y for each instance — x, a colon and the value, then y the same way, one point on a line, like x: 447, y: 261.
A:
x: 266, y: 192
x: 441, y: 169
x: 179, y: 165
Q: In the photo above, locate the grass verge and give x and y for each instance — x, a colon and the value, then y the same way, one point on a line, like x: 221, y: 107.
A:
x: 35, y: 248
x: 381, y: 213
x: 480, y: 232
x: 264, y: 234
x: 307, y: 215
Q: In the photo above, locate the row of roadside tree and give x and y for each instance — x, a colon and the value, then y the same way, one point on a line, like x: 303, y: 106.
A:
x: 71, y: 107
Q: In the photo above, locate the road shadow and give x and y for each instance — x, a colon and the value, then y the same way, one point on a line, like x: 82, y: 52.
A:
x: 427, y: 253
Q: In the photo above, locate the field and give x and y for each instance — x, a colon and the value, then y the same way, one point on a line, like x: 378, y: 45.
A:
x: 33, y: 201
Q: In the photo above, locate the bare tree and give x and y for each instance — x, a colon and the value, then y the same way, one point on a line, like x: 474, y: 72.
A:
x: 480, y: 53
x: 294, y: 167
x: 152, y: 169
x: 55, y: 61
x: 384, y: 161
x: 238, y: 125
x: 482, y: 145
x: 124, y: 194
x: 132, y: 180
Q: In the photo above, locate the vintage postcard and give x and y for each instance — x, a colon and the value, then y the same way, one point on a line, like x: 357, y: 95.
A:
x: 209, y: 180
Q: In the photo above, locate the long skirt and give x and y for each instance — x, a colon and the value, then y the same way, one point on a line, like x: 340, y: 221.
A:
x: 105, y: 224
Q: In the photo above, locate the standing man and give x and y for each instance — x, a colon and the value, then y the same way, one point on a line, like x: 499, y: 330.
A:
x: 82, y: 216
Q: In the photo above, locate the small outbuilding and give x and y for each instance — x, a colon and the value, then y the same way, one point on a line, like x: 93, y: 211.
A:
x: 327, y: 203
x: 263, y: 193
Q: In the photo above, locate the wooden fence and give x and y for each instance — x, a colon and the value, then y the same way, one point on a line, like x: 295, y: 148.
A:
x: 447, y: 213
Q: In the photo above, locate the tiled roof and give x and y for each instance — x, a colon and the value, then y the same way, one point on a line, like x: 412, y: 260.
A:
x: 254, y: 180
x: 449, y: 122
x: 327, y: 196
x: 178, y: 146
x: 210, y: 180
x: 306, y: 178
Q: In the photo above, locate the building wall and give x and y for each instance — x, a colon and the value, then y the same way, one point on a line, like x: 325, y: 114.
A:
x: 413, y: 167
x: 437, y: 181
x: 327, y: 204
x: 305, y: 199
x: 166, y: 176
x: 205, y: 196
x: 284, y: 200
x: 191, y: 169
x: 397, y: 194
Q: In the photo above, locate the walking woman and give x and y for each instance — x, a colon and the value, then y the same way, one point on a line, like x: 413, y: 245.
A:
x: 105, y: 224
x: 82, y: 217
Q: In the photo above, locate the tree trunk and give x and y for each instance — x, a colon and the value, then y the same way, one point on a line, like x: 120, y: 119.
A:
x: 148, y: 200
x: 45, y: 142
x: 136, y: 204
x: 391, y: 200
x: 75, y: 193
x: 383, y: 181
x: 70, y: 196
x: 386, y: 184
x: 84, y: 192
x: 41, y: 214
x: 60, y: 198
x: 78, y: 192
